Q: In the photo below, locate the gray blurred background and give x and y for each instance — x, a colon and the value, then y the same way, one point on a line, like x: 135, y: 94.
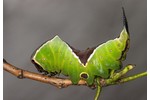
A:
x: 81, y: 23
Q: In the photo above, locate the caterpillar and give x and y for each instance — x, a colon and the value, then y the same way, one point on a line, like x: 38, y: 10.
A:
x: 55, y: 56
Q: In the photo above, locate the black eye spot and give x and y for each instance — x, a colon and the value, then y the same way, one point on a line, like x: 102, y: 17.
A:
x: 84, y: 75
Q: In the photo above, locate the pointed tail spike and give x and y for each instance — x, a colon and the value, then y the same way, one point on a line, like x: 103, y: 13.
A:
x: 125, y: 22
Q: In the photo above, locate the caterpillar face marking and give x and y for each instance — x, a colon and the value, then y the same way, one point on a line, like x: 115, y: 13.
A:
x: 84, y: 75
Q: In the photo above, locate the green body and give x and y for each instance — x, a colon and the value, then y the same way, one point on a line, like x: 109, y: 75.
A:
x: 55, y: 56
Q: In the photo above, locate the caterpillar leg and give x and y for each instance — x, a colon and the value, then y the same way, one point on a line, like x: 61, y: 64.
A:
x: 53, y: 73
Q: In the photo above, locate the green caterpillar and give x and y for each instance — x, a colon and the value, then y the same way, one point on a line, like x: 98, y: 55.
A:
x: 55, y: 56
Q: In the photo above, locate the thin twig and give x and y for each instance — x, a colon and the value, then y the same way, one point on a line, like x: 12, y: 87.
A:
x: 99, y: 88
x: 127, y: 79
x: 130, y: 78
x: 115, y: 76
x: 61, y: 82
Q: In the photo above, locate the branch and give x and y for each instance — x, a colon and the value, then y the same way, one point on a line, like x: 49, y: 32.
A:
x: 21, y: 74
x: 62, y: 83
